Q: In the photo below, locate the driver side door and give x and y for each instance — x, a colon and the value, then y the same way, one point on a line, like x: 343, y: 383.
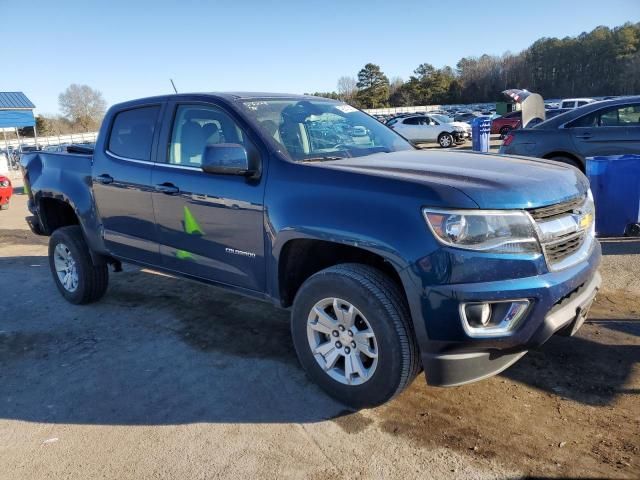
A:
x: 210, y: 226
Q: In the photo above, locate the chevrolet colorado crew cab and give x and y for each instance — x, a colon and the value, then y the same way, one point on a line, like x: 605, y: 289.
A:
x: 392, y: 260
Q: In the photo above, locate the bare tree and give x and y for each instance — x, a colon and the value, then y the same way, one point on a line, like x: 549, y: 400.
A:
x: 395, y: 84
x: 82, y: 105
x: 347, y: 88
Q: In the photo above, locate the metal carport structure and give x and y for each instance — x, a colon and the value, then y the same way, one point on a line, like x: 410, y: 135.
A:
x: 16, y: 111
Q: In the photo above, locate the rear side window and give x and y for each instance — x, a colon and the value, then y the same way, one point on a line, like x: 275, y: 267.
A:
x: 621, y: 116
x: 412, y: 121
x: 567, y: 105
x: 132, y: 132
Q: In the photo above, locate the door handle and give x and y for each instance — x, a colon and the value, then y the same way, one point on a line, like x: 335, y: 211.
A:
x: 104, y: 179
x: 584, y: 136
x: 167, y: 188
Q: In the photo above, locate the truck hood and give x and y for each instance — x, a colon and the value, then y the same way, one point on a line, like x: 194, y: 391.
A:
x: 491, y: 181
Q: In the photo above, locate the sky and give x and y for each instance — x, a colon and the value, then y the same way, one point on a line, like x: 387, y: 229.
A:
x: 130, y: 49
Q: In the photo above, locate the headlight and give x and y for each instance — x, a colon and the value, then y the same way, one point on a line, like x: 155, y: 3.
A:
x: 484, y: 230
x: 458, y: 129
x: 590, y: 207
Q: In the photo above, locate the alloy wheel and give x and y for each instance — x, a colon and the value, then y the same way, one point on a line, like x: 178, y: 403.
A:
x: 66, y: 268
x: 342, y: 341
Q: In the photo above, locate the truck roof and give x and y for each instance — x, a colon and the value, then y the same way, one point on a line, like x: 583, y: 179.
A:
x: 229, y: 96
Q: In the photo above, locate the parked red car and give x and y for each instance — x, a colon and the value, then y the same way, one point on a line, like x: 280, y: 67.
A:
x: 6, y: 190
x: 503, y: 125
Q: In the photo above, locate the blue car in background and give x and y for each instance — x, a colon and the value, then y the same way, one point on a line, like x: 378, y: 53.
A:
x: 608, y: 127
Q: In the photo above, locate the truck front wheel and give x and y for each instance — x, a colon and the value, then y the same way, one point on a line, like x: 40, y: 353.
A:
x: 78, y: 279
x: 351, y: 330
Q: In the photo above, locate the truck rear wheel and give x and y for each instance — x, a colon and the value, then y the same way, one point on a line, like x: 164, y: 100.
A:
x: 352, y: 332
x: 78, y: 279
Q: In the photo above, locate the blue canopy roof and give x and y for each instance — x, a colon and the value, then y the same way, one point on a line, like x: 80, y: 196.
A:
x: 16, y: 118
x: 15, y: 100
x: 16, y: 110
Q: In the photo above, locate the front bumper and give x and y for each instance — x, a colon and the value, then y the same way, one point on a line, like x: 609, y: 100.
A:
x: 451, y: 369
x: 460, y: 137
x: 449, y: 355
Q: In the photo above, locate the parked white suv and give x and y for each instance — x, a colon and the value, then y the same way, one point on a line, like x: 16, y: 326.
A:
x: 431, y: 128
x: 575, y: 102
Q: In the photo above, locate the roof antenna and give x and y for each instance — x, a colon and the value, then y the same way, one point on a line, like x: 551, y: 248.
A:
x: 173, y: 85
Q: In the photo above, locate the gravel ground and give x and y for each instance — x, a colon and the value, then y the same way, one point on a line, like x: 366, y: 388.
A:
x: 171, y: 379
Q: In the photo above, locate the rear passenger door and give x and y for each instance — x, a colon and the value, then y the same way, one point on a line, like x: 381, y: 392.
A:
x: 122, y: 184
x: 608, y: 131
x: 411, y: 128
x: 210, y: 225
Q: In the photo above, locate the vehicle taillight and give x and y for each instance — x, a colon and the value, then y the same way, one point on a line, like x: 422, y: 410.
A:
x: 507, y: 140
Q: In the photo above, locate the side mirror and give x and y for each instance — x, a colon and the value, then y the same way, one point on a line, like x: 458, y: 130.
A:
x: 226, y: 159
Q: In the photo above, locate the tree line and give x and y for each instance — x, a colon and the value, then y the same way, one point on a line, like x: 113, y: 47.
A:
x: 605, y: 61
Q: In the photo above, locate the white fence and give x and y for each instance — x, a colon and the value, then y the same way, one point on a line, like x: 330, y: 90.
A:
x: 50, y: 140
x: 396, y: 110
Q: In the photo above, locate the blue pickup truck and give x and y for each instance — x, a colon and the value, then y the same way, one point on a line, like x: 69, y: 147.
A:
x: 392, y: 260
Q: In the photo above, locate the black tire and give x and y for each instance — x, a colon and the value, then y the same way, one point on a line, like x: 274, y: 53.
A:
x: 504, y: 131
x: 92, y: 279
x: 568, y: 161
x: 380, y: 300
x: 445, y: 140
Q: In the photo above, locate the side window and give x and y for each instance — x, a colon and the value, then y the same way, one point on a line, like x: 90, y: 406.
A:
x: 132, y: 132
x: 582, y: 102
x: 629, y: 116
x: 609, y: 118
x: 588, y: 121
x: 411, y: 121
x: 567, y: 105
x: 623, y: 116
x: 195, y: 127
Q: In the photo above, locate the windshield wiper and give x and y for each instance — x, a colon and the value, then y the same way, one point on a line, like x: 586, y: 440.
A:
x: 321, y: 159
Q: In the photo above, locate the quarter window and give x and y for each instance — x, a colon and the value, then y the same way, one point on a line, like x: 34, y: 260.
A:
x: 132, y: 132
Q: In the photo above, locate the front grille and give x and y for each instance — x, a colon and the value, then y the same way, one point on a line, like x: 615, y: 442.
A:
x: 558, y: 250
x: 560, y: 227
x: 557, y: 210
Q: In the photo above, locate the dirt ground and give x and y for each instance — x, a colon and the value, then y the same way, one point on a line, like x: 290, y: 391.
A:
x: 171, y: 379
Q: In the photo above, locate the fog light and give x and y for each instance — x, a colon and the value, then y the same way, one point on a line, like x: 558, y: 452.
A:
x: 478, y: 314
x: 492, y: 319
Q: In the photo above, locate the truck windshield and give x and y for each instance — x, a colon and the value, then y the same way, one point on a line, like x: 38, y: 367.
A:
x: 316, y: 130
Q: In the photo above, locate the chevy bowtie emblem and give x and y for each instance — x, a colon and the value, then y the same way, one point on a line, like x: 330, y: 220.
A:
x: 586, y: 220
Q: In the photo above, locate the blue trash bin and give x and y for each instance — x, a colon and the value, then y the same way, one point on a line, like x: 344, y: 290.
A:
x: 615, y: 183
x: 480, y: 133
